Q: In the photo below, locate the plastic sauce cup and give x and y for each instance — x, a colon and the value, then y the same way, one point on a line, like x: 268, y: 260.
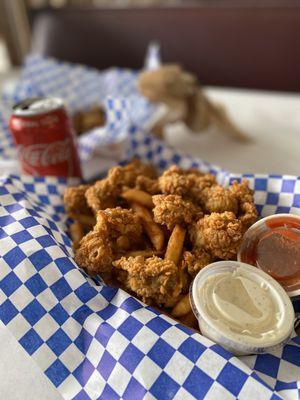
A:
x: 241, y: 308
x: 273, y: 245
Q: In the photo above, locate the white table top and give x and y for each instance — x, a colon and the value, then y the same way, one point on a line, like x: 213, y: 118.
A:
x: 272, y: 119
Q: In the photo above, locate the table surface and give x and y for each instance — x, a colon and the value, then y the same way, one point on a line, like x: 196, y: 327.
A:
x: 273, y: 122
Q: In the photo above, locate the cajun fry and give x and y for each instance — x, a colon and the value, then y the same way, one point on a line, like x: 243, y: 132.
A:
x: 76, y: 233
x: 87, y: 220
x: 190, y: 320
x: 175, y: 244
x: 138, y: 196
x: 182, y: 308
x: 154, y: 232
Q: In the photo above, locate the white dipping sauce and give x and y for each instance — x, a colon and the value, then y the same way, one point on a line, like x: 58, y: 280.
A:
x: 241, y: 307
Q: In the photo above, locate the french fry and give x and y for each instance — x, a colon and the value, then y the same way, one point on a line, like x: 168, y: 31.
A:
x: 138, y: 196
x: 87, y: 220
x: 182, y: 308
x: 184, y: 279
x: 76, y: 233
x: 143, y: 253
x: 152, y: 229
x: 175, y: 244
x: 190, y: 320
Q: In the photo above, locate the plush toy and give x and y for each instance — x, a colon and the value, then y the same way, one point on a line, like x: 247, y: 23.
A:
x: 184, y: 101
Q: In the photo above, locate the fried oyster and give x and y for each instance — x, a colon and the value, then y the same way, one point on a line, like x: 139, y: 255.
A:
x: 193, y: 261
x: 116, y: 231
x: 172, y: 209
x: 75, y: 200
x: 154, y: 280
x: 220, y: 234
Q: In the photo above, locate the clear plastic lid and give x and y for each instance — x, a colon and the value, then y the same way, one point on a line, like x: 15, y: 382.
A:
x: 273, y: 245
x: 241, y: 307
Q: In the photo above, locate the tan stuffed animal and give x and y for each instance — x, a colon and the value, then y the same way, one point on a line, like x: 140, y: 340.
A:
x: 185, y: 101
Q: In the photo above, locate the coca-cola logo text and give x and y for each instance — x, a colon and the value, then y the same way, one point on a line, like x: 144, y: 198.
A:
x: 46, y: 154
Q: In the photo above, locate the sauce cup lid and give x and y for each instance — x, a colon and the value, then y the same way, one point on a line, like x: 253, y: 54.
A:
x: 273, y: 245
x: 226, y: 324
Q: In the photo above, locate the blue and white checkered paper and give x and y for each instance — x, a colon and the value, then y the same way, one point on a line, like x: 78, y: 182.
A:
x: 97, y: 342
x: 81, y: 88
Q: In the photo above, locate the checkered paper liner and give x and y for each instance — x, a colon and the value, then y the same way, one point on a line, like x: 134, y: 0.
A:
x: 7, y: 150
x: 98, y: 342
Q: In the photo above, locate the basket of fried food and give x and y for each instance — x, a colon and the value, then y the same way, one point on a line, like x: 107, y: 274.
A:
x: 151, y: 234
x: 84, y: 121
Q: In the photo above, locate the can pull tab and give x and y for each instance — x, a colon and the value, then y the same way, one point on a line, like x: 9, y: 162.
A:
x: 27, y: 103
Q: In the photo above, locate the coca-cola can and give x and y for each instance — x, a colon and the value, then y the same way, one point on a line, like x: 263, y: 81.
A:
x: 45, y: 139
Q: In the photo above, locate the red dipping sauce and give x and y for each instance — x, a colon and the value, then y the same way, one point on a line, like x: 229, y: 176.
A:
x: 273, y: 245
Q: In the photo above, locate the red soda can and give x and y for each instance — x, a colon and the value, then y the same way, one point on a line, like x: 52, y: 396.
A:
x: 45, y: 139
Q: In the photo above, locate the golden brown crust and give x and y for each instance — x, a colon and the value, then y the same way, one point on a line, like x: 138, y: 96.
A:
x: 175, y: 181
x: 247, y: 211
x: 220, y: 234
x: 106, y: 193
x: 200, y: 184
x: 147, y: 184
x: 75, y: 201
x: 154, y: 280
x: 94, y: 253
x: 116, y: 231
x: 219, y: 199
x: 248, y: 215
x: 102, y: 195
x: 193, y: 261
x: 242, y: 191
x: 188, y: 184
x: 171, y: 210
x: 116, y: 222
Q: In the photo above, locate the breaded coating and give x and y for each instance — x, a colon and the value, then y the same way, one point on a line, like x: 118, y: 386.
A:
x: 175, y: 181
x: 220, y: 234
x: 75, y: 201
x: 126, y: 175
x: 147, y: 184
x: 247, y: 211
x: 242, y: 191
x: 117, y: 230
x: 118, y: 222
x: 248, y: 215
x: 200, y: 184
x: 142, y: 169
x: 219, y: 199
x: 154, y: 280
x: 102, y: 195
x: 193, y: 261
x: 189, y: 184
x: 171, y: 210
x: 95, y: 253
x: 106, y: 192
